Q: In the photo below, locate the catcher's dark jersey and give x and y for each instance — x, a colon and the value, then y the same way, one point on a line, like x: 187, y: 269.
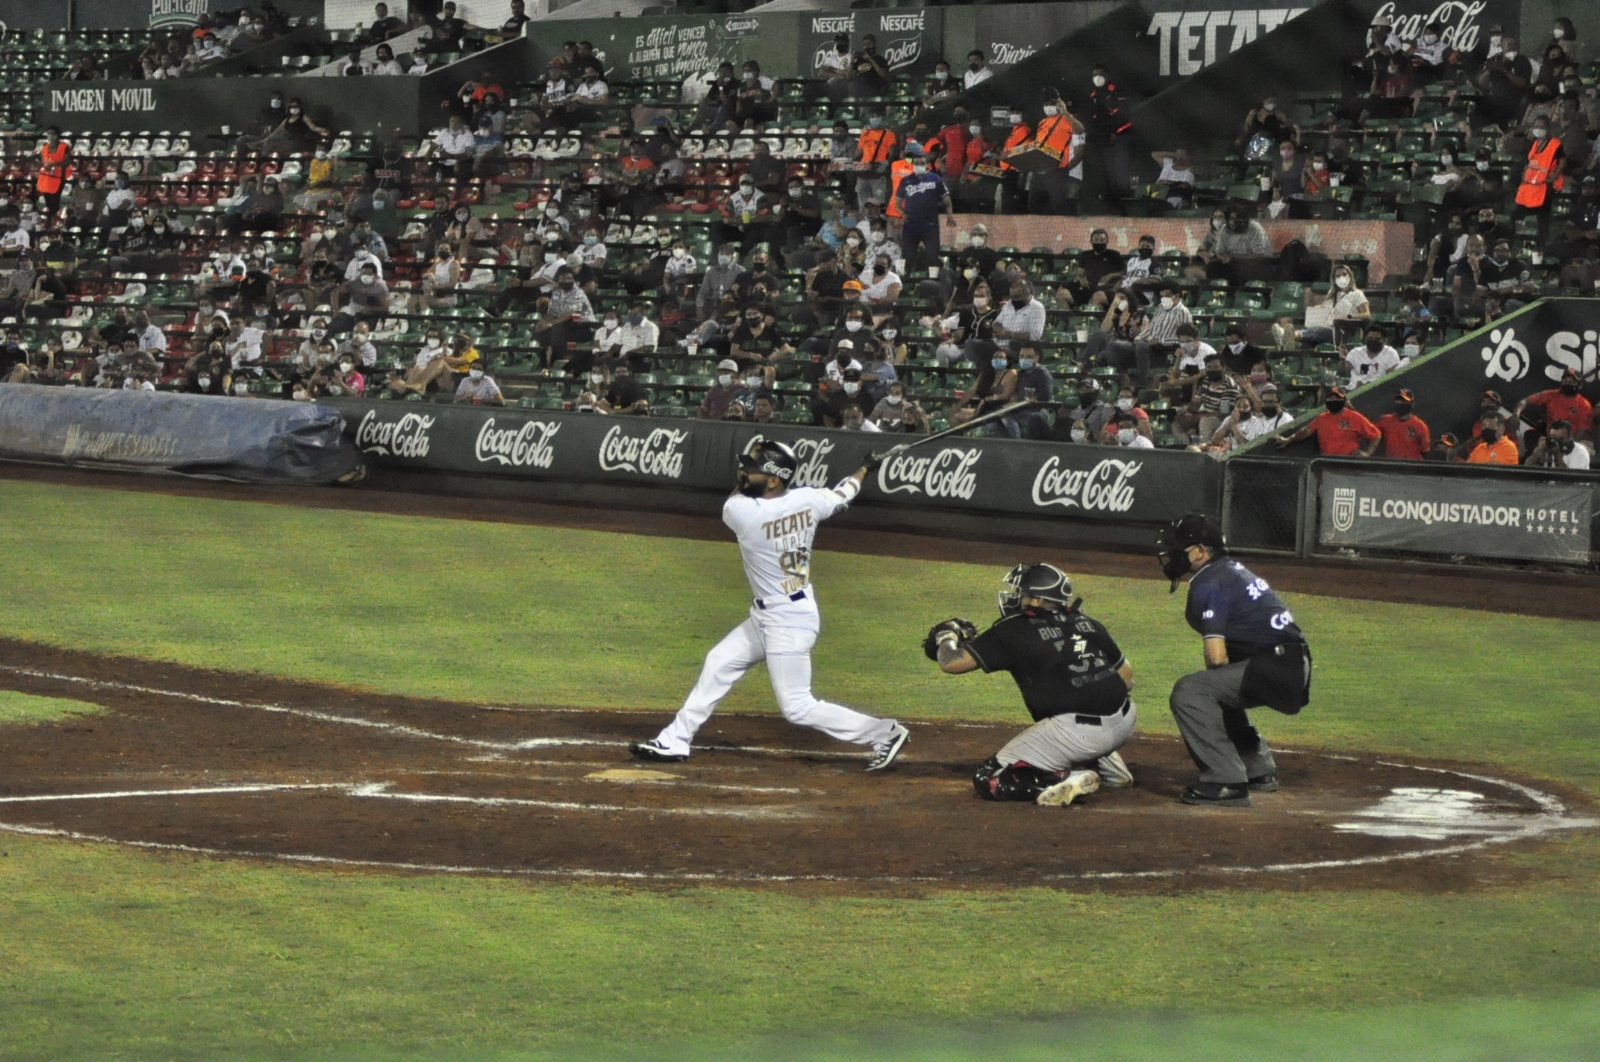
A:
x: 1062, y: 662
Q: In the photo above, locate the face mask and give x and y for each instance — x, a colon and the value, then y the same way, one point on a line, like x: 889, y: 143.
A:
x: 1482, y: 165
x: 880, y: 269
x: 1051, y: 110
x: 568, y: 285
x: 1511, y: 55
x: 1213, y: 374
x: 1335, y: 405
x: 1019, y: 301
x: 1078, y: 434
x: 1374, y: 345
x: 724, y: 260
x: 1402, y: 409
x: 1146, y: 252
x: 998, y: 363
x: 277, y: 104
x: 241, y: 389
x: 1412, y: 350
x: 137, y: 223
x: 1125, y: 435
x: 725, y: 379
x: 875, y: 122
x: 1098, y: 245
x: 590, y: 240
x: 1166, y: 304
x: 1569, y: 389
x: 476, y: 374
x: 919, y: 167
x: 851, y: 388
x: 894, y: 400
x: 433, y: 341
x: 203, y: 381
x: 1447, y: 160
x: 1014, y: 119
x: 294, y: 110
x: 1341, y: 282
x: 1491, y: 435
x: 1026, y: 363
x: 1540, y: 134
x: 975, y: 130
x: 752, y: 382
x: 758, y: 267
x: 1099, y: 81
x: 942, y: 75
x: 852, y: 325
x: 1268, y: 411
x: 980, y: 304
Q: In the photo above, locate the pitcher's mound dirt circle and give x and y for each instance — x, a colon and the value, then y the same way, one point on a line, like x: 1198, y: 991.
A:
x: 241, y: 766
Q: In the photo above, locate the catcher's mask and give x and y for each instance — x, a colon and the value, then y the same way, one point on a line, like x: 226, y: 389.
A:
x: 767, y: 457
x: 1032, y: 579
x: 1172, y: 545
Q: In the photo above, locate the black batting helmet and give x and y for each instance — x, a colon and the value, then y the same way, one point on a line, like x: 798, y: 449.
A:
x: 1174, y: 541
x: 1034, y: 579
x: 770, y: 458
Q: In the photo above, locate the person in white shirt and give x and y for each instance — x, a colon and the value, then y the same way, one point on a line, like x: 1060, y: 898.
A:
x: 1245, y: 424
x: 880, y: 284
x: 16, y: 241
x: 119, y: 201
x: 1128, y: 435
x: 978, y: 70
x: 591, y: 251
x: 386, y: 64
x: 479, y: 389
x: 151, y: 338
x: 455, y: 145
x: 775, y: 526
x: 835, y: 67
x: 1557, y: 449
x: 419, y: 64
x: 362, y: 257
x: 244, y: 345
x: 1370, y: 360
x: 591, y: 91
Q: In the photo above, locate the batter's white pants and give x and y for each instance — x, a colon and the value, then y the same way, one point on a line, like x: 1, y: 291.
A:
x: 787, y: 651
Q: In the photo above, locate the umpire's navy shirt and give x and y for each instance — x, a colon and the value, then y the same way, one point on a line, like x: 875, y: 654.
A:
x: 1227, y: 599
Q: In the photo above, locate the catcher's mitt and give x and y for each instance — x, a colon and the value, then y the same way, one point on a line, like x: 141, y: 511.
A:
x: 965, y: 630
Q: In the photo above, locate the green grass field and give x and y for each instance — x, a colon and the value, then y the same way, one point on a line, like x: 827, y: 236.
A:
x: 114, y: 953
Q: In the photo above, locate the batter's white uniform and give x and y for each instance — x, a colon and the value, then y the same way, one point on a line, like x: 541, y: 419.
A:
x: 775, y: 536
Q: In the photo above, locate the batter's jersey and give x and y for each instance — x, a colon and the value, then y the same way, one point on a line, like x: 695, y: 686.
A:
x: 1063, y: 662
x: 775, y: 536
x: 1229, y: 601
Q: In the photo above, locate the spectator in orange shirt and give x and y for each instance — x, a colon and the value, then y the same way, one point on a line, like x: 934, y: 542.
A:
x: 1563, y: 403
x: 1405, y: 435
x: 1340, y: 432
x: 1494, y: 447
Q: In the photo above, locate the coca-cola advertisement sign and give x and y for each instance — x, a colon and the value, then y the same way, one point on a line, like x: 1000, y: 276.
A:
x: 812, y: 454
x: 653, y: 453
x: 946, y: 473
x: 527, y: 445
x: 1463, y: 24
x: 1107, y: 487
x: 405, y: 436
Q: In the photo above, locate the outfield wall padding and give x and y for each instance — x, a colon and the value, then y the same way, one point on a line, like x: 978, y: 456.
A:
x: 243, y: 439
x: 960, y: 474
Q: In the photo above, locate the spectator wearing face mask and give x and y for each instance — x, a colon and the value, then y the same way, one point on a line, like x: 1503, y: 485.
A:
x: 1158, y: 336
x: 568, y: 318
x: 1215, y: 396
x: 1266, y: 122
x: 922, y: 197
x: 1123, y: 431
x: 1034, y: 384
x: 440, y: 281
x: 1564, y: 404
x: 718, y: 280
x: 1350, y: 308
x: 1055, y: 191
x: 1340, y: 432
x: 760, y: 286
x: 1088, y: 423
x: 479, y: 388
x: 744, y: 216
x: 755, y: 344
x: 1494, y: 446
x: 880, y: 284
x: 1507, y: 278
x: 365, y: 298
x: 1233, y: 236
x: 968, y: 331
x: 1247, y: 424
x: 1239, y: 355
x: 800, y: 212
x: 1013, y: 196
x: 975, y: 188
x: 207, y: 373
x: 1506, y: 83
x: 1544, y: 173
x: 1022, y: 318
x: 1405, y: 435
x: 638, y: 337
x: 897, y: 413
x: 1372, y: 359
x: 727, y: 388
x: 877, y: 147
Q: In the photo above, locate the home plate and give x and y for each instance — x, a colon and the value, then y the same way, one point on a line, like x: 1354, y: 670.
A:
x: 630, y: 774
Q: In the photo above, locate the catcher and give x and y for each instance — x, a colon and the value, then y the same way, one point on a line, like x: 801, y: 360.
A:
x: 1074, y: 681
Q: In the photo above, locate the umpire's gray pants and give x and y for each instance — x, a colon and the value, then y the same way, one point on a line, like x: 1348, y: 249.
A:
x: 1210, y: 709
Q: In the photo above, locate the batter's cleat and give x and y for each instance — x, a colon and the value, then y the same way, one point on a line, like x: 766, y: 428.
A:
x: 1216, y: 794
x: 1267, y: 783
x: 1114, y: 774
x: 886, y: 752
x: 1075, y: 785
x: 655, y: 752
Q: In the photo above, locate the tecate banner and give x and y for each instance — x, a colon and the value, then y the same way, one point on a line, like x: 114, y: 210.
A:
x: 1456, y: 515
x: 979, y: 473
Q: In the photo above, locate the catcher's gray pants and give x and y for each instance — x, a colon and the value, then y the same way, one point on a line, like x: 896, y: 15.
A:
x: 1210, y: 709
x: 1064, y: 741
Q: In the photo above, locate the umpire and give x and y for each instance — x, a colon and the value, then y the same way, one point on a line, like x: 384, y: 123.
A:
x: 1255, y: 656
x: 1074, y: 681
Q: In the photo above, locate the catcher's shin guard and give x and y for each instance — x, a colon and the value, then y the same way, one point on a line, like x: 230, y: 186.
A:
x: 1020, y: 781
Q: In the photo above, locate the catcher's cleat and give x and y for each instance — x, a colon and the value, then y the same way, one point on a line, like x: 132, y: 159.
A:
x: 886, y: 752
x: 656, y: 753
x: 1075, y: 785
x: 1114, y: 774
x: 1267, y: 783
x: 1217, y: 794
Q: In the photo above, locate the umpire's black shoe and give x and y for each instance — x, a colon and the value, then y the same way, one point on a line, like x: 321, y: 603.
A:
x: 653, y: 752
x: 1216, y: 794
x: 1267, y: 783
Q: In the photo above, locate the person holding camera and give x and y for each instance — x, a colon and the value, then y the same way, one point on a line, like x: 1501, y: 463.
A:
x: 1558, y: 449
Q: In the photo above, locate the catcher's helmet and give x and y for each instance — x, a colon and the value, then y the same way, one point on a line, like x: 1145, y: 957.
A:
x: 1174, y: 541
x: 1032, y: 579
x: 770, y: 458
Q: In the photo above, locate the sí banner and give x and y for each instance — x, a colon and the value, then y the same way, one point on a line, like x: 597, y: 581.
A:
x: 1540, y: 519
x: 968, y: 473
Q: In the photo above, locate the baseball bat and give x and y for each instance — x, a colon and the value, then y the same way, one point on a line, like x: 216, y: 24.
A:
x: 975, y: 422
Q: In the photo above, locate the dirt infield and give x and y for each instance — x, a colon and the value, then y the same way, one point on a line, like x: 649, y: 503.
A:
x: 1571, y: 595
x: 247, y: 767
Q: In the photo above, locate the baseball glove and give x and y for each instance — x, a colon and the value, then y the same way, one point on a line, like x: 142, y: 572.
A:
x: 965, y: 630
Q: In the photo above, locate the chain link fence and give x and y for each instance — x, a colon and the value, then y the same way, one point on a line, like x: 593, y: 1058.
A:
x: 1262, y: 504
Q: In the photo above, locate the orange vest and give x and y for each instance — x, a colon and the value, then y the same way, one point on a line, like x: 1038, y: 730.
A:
x: 876, y: 144
x: 52, y: 168
x: 1055, y: 133
x: 1536, y: 181
x: 899, y: 170
x: 1020, y: 134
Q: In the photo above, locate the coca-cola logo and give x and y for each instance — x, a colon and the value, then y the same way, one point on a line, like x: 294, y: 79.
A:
x: 1103, y: 488
x: 812, y: 454
x: 1459, y: 19
x: 946, y: 474
x: 525, y: 446
x: 1003, y: 54
x: 903, y: 53
x: 654, y: 454
x: 406, y: 437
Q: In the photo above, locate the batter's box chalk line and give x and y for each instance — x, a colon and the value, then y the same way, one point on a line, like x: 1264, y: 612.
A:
x: 1553, y: 814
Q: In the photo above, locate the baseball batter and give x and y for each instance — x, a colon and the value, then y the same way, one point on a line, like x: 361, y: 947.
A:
x: 775, y: 527
x: 1074, y: 681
